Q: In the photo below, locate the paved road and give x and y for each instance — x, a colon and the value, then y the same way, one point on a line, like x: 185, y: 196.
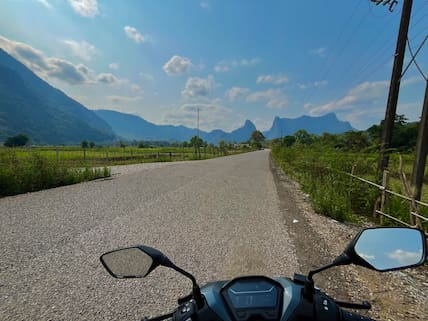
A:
x: 217, y: 219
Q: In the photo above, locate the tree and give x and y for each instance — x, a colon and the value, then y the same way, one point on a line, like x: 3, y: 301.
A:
x: 288, y: 140
x: 197, y: 142
x: 91, y: 144
x: 84, y: 144
x: 303, y: 137
x: 16, y: 141
x: 257, y: 138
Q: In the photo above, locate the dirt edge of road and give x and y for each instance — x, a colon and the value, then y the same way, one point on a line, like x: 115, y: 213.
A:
x: 318, y: 240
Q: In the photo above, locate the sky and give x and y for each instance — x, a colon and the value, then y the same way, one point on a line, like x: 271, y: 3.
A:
x: 233, y: 60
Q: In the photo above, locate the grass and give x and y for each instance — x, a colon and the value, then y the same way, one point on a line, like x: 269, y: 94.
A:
x: 35, y: 168
x: 321, y: 174
x: 37, y: 172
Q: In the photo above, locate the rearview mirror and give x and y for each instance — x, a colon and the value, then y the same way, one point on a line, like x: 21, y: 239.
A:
x: 386, y: 249
x: 130, y: 262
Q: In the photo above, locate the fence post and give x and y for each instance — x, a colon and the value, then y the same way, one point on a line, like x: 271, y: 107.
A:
x: 384, y: 198
x: 354, y: 166
x: 57, y: 154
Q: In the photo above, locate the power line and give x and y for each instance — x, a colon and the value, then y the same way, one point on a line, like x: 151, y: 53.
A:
x: 413, y: 60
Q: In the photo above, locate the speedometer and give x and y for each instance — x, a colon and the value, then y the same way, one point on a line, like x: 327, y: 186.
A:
x: 253, y: 297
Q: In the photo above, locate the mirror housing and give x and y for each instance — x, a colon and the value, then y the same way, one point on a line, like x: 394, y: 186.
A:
x: 133, y: 262
x: 387, y: 248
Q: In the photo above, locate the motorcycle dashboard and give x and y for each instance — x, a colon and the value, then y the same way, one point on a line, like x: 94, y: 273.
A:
x: 253, y: 297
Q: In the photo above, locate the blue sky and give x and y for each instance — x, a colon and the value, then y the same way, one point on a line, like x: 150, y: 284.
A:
x: 234, y: 60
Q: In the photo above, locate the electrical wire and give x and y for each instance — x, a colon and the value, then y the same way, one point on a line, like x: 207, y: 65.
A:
x: 413, y: 60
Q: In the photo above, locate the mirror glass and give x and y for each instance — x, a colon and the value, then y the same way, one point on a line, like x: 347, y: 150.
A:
x: 127, y: 263
x: 391, y: 248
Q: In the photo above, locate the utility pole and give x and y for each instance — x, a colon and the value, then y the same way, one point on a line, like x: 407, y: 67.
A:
x: 394, y: 88
x: 421, y: 150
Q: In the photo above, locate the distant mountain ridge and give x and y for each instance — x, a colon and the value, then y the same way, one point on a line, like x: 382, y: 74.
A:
x: 327, y: 123
x: 30, y: 105
x: 132, y: 127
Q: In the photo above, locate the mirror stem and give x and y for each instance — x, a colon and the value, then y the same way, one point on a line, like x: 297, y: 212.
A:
x: 196, y: 289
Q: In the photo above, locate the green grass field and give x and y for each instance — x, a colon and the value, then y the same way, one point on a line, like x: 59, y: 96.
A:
x: 321, y: 173
x: 34, y: 168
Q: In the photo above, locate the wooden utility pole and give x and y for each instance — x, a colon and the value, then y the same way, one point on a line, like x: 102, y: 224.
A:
x: 421, y: 150
x: 394, y: 88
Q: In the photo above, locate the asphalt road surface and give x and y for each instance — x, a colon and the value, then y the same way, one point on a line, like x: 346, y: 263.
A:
x: 217, y: 219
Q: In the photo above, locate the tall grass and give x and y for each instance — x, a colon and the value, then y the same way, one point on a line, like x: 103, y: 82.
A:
x: 36, y: 172
x: 320, y: 173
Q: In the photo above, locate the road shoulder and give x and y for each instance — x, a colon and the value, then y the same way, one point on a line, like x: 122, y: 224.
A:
x: 318, y: 239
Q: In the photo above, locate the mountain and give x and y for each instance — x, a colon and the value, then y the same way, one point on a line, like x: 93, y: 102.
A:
x: 30, y: 105
x: 314, y: 125
x: 132, y: 127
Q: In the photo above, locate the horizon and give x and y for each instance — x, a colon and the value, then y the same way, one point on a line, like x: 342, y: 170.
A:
x: 162, y: 62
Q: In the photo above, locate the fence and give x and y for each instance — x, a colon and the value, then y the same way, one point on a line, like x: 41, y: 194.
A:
x: 415, y: 218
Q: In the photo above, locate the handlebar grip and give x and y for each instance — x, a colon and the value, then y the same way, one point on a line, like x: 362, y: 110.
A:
x: 349, y: 316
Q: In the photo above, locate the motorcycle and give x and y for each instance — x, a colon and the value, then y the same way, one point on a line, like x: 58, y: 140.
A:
x: 254, y: 298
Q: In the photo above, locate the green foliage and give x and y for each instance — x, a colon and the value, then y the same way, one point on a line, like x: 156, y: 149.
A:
x: 36, y: 172
x: 84, y: 144
x: 17, y: 141
x: 320, y: 172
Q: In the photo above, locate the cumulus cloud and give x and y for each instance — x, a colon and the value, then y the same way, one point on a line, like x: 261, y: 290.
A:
x: 118, y: 100
x: 82, y: 49
x: 235, y: 93
x: 225, y: 65
x: 85, y: 8
x: 61, y: 69
x: 134, y: 34
x: 273, y: 98
x: 320, y: 52
x: 405, y: 257
x: 113, y: 66
x: 272, y: 79
x: 205, y: 5
x: 212, y: 116
x: 45, y: 3
x: 177, y: 65
x: 198, y: 87
x: 107, y: 78
x: 364, y: 95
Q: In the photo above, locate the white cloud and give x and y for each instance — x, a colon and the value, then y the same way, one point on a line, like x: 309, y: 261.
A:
x: 273, y: 98
x: 316, y: 84
x: 82, y: 49
x: 198, y: 87
x: 405, y: 258
x: 136, y: 88
x: 134, y: 34
x: 85, y: 8
x: 147, y: 77
x: 46, y: 67
x: 107, y: 78
x: 225, y: 65
x: 205, y: 5
x: 113, y: 66
x: 364, y: 95
x: 320, y: 83
x: 45, y: 3
x: 123, y: 99
x: 272, y: 79
x: 320, y: 52
x: 177, y: 65
x: 211, y: 116
x: 235, y: 93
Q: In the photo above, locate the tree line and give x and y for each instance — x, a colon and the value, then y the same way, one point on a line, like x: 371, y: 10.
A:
x: 403, y: 140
